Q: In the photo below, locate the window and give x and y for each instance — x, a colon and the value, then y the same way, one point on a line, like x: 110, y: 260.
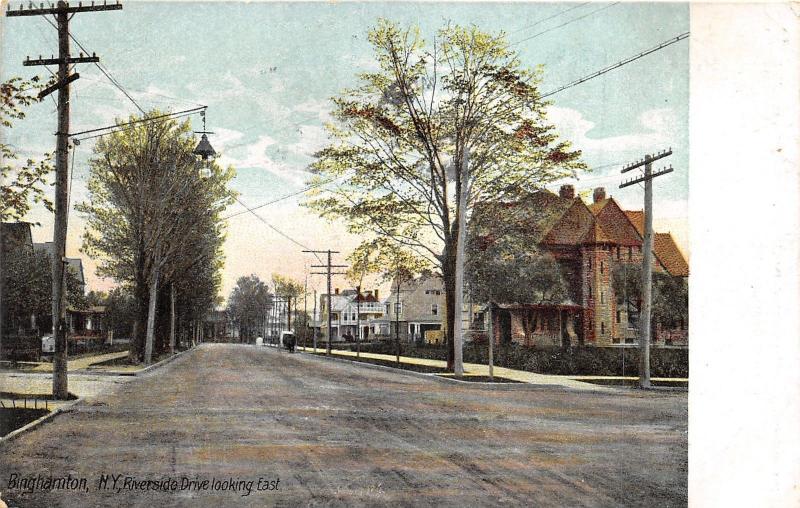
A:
x: 630, y: 253
x: 602, y: 328
x: 590, y: 263
x: 602, y: 297
x: 619, y: 316
x: 589, y: 292
x: 618, y: 256
x: 602, y: 267
x: 435, y: 309
x: 388, y: 308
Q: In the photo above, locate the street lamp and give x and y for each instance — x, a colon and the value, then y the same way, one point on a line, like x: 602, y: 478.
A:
x: 204, y: 148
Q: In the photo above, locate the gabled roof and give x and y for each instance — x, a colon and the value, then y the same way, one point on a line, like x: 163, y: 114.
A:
x: 668, y: 254
x: 75, y: 264
x: 615, y: 223
x: 574, y: 226
x: 595, y: 235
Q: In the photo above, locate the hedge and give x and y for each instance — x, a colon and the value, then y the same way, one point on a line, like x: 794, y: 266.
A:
x: 576, y: 360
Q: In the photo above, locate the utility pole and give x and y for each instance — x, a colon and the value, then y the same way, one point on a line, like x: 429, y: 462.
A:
x: 358, y: 321
x: 62, y: 12
x: 314, y: 330
x: 329, y: 273
x: 458, y: 323
x: 305, y: 313
x: 647, y: 256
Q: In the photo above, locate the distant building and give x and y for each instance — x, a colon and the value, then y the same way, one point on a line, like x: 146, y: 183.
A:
x: 420, y: 308
x: 349, y: 312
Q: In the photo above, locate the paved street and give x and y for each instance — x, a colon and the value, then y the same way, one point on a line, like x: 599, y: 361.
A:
x: 339, y: 434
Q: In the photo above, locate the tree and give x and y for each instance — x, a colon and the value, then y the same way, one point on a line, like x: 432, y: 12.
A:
x: 670, y: 294
x: 153, y: 220
x: 21, y: 185
x: 27, y: 284
x: 392, y: 263
x: 248, y: 305
x: 403, y: 140
x: 289, y: 290
x: 512, y: 271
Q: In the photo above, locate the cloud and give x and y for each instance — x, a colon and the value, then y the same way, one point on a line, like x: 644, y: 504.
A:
x: 656, y: 128
x: 256, y: 157
x: 312, y: 139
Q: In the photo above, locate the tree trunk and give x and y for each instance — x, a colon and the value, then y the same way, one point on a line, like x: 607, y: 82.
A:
x: 140, y: 294
x: 151, y: 318
x: 448, y: 277
x: 172, y: 318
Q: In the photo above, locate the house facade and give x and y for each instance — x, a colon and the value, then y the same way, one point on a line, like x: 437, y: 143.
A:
x: 590, y: 243
x: 419, y: 307
x: 351, y: 311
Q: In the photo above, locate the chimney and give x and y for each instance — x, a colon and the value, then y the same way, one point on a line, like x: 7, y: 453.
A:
x: 336, y: 291
x: 567, y: 191
x: 599, y: 194
x: 376, y: 294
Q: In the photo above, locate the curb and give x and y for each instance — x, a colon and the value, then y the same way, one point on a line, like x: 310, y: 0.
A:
x: 139, y: 372
x: 521, y: 386
x: 35, y: 423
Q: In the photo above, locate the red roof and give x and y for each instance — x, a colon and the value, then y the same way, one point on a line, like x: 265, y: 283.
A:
x: 615, y: 223
x: 668, y: 254
x: 637, y: 219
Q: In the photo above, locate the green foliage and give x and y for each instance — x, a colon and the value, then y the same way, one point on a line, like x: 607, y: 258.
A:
x: 511, y: 270
x: 401, y: 139
x: 27, y: 290
x: 248, y: 305
x: 670, y: 300
x: 384, y: 257
x: 22, y: 184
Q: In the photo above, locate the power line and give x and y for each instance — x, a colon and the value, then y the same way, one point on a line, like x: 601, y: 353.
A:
x: 97, y: 64
x: 559, y: 13
x: 310, y: 187
x: 566, y: 23
x: 141, y: 120
x: 271, y: 226
x: 618, y: 64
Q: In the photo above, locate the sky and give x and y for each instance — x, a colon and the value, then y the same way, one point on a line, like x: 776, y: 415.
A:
x: 267, y: 70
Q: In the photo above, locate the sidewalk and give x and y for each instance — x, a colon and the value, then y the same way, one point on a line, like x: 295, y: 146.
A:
x: 475, y: 369
x: 82, y: 363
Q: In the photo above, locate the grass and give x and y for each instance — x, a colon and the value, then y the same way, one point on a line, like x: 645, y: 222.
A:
x: 426, y: 369
x: 635, y: 382
x: 481, y: 379
x: 13, y: 418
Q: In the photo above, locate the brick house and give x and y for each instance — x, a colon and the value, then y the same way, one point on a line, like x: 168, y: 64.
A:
x: 589, y: 242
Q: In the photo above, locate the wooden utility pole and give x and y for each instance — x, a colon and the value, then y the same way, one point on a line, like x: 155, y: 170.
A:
x: 458, y: 322
x: 647, y: 256
x: 329, y: 274
x: 62, y: 12
x: 314, y: 330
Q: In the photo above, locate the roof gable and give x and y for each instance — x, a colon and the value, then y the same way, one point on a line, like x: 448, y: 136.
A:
x: 572, y: 227
x: 616, y: 223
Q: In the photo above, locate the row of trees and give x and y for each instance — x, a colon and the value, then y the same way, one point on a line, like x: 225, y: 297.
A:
x: 155, y: 226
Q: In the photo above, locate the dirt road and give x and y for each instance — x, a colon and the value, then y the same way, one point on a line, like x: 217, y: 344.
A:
x: 343, y: 435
